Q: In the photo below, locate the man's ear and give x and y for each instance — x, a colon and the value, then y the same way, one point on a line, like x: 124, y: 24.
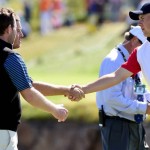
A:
x: 134, y: 40
x: 8, y: 30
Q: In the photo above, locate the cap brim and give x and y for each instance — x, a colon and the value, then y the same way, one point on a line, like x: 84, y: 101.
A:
x: 134, y: 15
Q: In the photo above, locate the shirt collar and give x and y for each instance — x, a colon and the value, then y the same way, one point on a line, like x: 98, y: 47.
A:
x: 4, y: 44
x: 124, y: 50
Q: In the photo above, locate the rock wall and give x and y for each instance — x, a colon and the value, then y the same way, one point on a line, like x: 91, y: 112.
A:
x: 49, y: 135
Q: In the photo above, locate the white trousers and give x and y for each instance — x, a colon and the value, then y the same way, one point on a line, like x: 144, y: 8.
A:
x: 8, y: 140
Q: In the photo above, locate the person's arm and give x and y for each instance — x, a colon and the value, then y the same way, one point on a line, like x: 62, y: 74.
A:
x: 36, y: 99
x: 129, y: 68
x: 19, y: 77
x: 107, y: 81
x: 50, y: 89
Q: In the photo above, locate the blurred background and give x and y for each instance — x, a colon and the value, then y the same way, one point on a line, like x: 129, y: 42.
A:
x: 64, y: 43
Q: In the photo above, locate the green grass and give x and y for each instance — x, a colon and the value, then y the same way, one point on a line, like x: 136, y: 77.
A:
x: 67, y: 56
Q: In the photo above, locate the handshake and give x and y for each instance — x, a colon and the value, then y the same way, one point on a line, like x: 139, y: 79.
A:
x: 75, y: 93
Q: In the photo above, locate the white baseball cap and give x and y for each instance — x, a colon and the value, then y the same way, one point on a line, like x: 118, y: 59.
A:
x: 137, y: 31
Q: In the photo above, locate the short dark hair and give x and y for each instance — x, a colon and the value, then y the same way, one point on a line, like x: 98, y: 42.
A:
x: 128, y: 36
x: 6, y: 19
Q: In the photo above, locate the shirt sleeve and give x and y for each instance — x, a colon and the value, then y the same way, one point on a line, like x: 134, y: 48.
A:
x: 132, y: 64
x: 17, y: 71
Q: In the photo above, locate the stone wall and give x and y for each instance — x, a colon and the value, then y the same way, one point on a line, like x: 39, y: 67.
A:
x: 49, y: 135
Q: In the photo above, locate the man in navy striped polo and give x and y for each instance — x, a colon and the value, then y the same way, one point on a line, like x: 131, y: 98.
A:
x: 14, y: 79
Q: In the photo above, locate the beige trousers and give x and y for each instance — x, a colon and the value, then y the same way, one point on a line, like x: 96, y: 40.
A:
x: 8, y: 140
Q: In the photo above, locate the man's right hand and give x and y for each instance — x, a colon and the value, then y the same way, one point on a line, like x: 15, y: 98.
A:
x: 76, y: 93
x: 60, y: 112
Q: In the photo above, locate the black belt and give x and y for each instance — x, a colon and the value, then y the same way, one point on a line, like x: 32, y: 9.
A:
x: 119, y: 118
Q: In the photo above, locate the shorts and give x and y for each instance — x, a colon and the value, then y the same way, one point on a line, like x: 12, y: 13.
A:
x: 8, y: 140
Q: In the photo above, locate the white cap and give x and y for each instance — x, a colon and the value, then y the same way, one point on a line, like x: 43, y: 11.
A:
x: 137, y: 31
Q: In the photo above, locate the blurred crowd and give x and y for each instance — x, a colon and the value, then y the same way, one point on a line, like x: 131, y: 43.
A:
x: 54, y: 14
